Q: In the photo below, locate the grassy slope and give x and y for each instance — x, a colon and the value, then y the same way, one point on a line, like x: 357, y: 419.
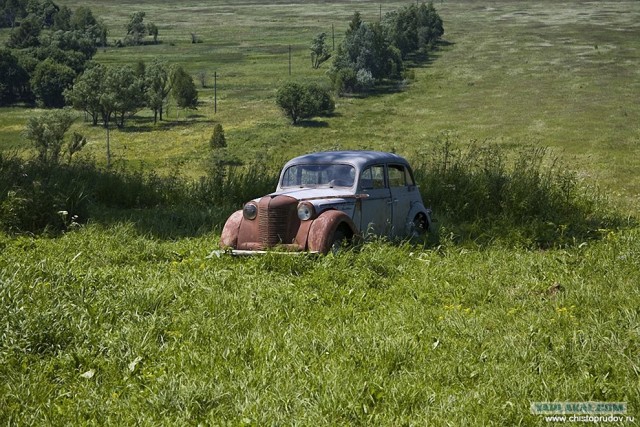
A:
x: 390, y: 335
x: 387, y: 336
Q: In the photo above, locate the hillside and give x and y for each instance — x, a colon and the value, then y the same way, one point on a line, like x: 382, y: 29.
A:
x: 131, y: 319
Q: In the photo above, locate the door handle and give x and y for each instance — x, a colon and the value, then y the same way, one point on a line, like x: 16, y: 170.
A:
x: 391, y: 202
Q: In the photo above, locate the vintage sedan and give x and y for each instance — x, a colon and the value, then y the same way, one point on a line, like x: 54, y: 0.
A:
x: 324, y: 200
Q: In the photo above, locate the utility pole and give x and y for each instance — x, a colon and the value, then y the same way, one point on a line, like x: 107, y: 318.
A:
x: 289, y: 59
x: 215, y: 92
x: 108, y: 148
x: 333, y: 36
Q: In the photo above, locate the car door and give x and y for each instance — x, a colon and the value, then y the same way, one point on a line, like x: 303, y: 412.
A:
x: 375, y: 212
x: 402, y: 188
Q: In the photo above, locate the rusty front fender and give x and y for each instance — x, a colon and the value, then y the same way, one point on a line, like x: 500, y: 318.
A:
x: 229, y: 237
x: 324, y: 227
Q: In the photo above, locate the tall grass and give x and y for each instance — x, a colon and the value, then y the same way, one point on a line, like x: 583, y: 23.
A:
x: 482, y: 193
x: 37, y: 197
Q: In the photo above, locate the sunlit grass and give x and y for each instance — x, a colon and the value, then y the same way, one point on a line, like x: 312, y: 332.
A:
x: 117, y: 328
x: 130, y: 319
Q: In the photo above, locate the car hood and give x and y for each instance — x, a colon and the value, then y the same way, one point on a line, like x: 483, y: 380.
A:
x: 335, y: 194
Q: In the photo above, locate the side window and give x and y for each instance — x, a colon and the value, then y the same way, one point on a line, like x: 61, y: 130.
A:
x: 372, y: 178
x: 399, y: 176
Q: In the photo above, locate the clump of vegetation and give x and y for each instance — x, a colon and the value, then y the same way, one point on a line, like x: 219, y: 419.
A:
x: 218, y: 139
x: 47, y: 48
x: 47, y: 133
x: 371, y: 53
x: 184, y: 90
x: 137, y: 30
x: 303, y: 101
x: 481, y: 194
x: 111, y: 93
x: 319, y: 50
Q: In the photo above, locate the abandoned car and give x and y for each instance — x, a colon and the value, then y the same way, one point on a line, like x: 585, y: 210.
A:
x: 327, y: 199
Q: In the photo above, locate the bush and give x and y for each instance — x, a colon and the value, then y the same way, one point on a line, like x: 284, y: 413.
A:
x: 217, y: 138
x: 303, y: 101
x: 37, y: 197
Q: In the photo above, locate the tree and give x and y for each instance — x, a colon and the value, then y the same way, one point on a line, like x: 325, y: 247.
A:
x: 152, y: 29
x: 124, y: 92
x: 321, y: 98
x: 367, y: 54
x: 49, y: 81
x: 319, y: 50
x: 11, y: 11
x: 76, y: 144
x: 158, y: 87
x: 202, y: 78
x: 46, y: 132
x: 299, y: 101
x: 136, y: 29
x: 356, y: 22
x: 44, y: 11
x: 14, y: 79
x: 413, y: 27
x: 62, y: 19
x: 83, y: 19
x: 184, y: 90
x: 217, y: 138
x: 86, y: 92
x: 26, y: 35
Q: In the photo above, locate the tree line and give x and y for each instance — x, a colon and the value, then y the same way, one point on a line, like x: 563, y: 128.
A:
x: 49, y: 46
x: 110, y: 93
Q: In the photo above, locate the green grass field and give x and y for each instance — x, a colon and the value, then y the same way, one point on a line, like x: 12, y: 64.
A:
x: 123, y: 323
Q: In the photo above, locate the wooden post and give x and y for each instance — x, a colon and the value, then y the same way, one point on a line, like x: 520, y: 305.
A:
x: 333, y: 36
x: 215, y: 92
x: 108, y: 147
x: 289, y: 59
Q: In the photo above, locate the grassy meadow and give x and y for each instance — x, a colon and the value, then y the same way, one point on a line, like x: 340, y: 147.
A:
x: 131, y: 320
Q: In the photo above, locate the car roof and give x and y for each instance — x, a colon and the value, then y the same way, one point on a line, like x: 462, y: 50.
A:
x: 357, y: 158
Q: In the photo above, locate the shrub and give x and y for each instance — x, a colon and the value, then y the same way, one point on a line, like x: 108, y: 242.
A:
x: 217, y: 138
x: 303, y: 101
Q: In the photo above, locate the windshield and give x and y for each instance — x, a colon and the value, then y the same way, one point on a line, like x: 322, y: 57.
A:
x: 319, y: 176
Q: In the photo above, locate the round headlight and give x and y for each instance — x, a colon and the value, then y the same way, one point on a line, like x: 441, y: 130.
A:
x: 306, y: 211
x: 250, y: 211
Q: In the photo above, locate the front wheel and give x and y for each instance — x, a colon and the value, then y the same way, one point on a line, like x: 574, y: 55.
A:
x: 339, y: 241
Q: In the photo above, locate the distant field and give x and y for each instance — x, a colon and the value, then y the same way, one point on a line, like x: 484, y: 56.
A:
x: 565, y: 75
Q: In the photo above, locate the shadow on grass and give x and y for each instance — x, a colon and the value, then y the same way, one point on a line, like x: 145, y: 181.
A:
x: 166, y: 222
x: 312, y: 124
x: 146, y: 124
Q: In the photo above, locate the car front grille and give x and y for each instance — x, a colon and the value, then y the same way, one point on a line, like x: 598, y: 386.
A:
x: 274, y: 217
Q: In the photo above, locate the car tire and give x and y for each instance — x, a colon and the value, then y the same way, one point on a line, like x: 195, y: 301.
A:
x: 420, y: 226
x: 339, y: 241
